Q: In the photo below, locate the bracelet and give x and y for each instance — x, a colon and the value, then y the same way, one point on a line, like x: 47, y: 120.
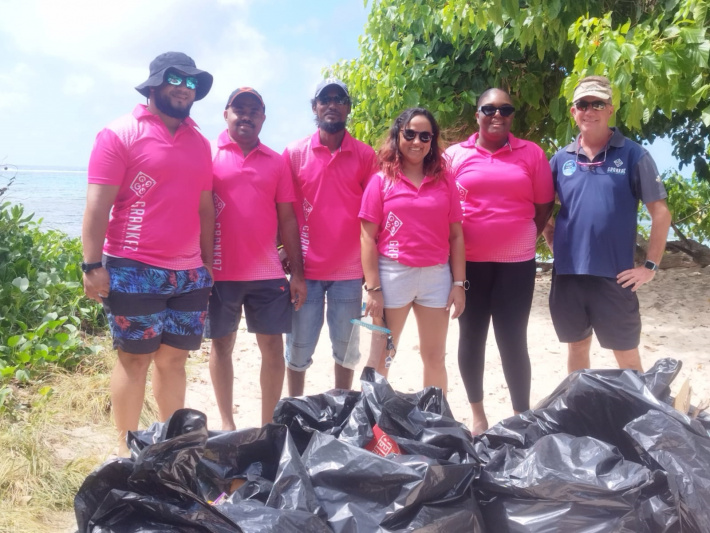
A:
x: 373, y: 289
x: 278, y: 247
x: 465, y: 284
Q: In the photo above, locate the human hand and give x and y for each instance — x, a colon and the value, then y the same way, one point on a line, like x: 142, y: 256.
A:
x: 285, y: 263
x: 635, y: 277
x: 97, y: 284
x: 298, y: 292
x: 375, y: 304
x: 457, y: 298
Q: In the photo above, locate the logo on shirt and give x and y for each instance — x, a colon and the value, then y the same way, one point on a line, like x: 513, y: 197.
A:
x: 307, y: 208
x: 462, y: 192
x: 569, y: 168
x: 618, y: 163
x: 218, y: 204
x: 142, y: 183
x: 393, y: 223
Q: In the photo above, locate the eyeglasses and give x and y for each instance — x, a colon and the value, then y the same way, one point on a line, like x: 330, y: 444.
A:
x: 490, y: 110
x: 175, y: 79
x: 339, y: 100
x: 424, y: 136
x: 597, y: 105
x: 591, y: 164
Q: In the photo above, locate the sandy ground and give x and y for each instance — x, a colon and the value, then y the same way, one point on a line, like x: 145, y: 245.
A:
x: 675, y: 309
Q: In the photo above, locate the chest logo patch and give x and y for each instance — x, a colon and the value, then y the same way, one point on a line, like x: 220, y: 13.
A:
x: 569, y: 167
x: 142, y: 183
x: 307, y: 208
x: 393, y: 223
x: 462, y: 192
x: 618, y: 163
x: 218, y: 205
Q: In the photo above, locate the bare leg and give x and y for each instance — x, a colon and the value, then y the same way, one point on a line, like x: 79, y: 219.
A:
x: 629, y: 359
x: 480, y: 422
x: 433, y: 325
x: 169, y: 380
x: 396, y: 318
x: 222, y: 374
x: 343, y: 377
x: 296, y: 382
x: 578, y: 354
x: 272, y: 373
x: 128, y: 381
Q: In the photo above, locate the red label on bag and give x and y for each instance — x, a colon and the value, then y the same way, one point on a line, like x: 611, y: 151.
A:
x: 382, y: 444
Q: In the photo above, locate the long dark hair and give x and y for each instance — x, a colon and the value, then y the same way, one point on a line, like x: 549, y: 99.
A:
x: 389, y: 155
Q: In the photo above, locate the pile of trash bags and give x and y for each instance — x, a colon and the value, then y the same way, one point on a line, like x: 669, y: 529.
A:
x: 604, y: 452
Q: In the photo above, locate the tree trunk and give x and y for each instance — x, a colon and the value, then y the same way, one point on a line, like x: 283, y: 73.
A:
x: 685, y: 253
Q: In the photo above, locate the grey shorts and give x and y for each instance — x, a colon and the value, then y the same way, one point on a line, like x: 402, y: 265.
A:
x: 267, y: 306
x: 425, y: 286
x: 580, y: 304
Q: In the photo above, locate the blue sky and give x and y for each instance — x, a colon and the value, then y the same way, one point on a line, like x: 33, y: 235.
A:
x: 69, y: 66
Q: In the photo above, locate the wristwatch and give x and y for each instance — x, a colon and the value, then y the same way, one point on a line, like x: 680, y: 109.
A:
x: 650, y: 265
x: 465, y: 284
x: 88, y: 267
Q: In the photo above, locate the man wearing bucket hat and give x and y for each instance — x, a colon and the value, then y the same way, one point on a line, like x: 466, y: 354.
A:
x: 330, y: 170
x: 252, y: 189
x: 150, y: 261
x: 600, y: 179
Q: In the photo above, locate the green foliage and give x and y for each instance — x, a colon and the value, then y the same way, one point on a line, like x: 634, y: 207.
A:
x: 441, y: 54
x: 43, y: 313
x: 689, y: 202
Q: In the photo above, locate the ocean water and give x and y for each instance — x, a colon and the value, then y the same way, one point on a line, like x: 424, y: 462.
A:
x: 57, y: 196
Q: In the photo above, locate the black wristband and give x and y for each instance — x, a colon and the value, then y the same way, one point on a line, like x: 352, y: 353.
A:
x: 88, y: 267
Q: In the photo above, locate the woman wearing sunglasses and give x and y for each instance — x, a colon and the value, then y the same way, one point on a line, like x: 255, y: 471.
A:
x: 412, y: 240
x: 507, y: 196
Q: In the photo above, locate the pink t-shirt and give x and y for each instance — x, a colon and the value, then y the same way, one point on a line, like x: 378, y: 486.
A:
x: 329, y: 191
x: 246, y: 191
x: 413, y: 223
x: 155, y: 217
x: 498, y: 192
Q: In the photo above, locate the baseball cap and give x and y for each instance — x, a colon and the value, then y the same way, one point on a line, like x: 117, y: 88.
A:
x: 331, y: 81
x: 244, y: 90
x: 597, y: 86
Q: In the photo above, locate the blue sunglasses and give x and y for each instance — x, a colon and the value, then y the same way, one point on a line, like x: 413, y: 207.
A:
x: 175, y: 79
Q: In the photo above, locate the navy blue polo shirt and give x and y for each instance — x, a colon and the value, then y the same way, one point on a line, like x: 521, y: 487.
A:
x: 595, y: 229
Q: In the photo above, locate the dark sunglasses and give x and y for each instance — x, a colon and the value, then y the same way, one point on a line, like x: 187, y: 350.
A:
x: 490, y: 110
x: 175, y: 79
x: 424, y: 136
x: 339, y: 100
x: 597, y: 105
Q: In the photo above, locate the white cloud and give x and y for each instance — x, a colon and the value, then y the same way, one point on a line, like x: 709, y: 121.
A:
x: 77, y: 84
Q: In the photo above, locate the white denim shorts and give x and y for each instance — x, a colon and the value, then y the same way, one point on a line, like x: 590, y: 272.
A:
x: 425, y: 286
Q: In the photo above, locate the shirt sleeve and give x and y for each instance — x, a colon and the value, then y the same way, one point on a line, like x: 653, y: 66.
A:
x: 647, y: 181
x: 543, y: 189
x: 372, y: 207
x: 208, y: 177
x: 455, y: 211
x: 109, y: 159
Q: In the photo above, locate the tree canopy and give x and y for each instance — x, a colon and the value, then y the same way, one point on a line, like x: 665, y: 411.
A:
x: 442, y: 54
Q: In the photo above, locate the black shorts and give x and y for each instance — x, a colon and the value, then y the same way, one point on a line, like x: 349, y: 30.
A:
x: 580, y: 304
x: 267, y: 306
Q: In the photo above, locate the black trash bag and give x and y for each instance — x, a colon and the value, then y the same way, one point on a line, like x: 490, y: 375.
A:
x: 325, y: 413
x: 659, y: 377
x: 567, y: 483
x: 666, y: 442
x: 361, y: 491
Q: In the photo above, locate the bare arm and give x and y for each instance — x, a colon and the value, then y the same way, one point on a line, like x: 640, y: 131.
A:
x: 99, y: 201
x: 457, y: 257
x: 288, y: 231
x: 542, y: 215
x: 370, y: 266
x: 207, y: 229
x: 660, y: 223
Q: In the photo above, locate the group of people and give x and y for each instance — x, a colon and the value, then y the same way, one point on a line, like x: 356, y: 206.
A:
x: 180, y: 235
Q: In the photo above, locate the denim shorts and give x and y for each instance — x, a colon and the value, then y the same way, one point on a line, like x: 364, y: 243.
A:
x: 425, y: 286
x: 344, y: 301
x: 149, y: 306
x: 267, y: 306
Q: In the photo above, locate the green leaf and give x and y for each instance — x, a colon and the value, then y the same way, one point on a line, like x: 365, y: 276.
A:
x: 609, y: 52
x: 21, y: 283
x: 706, y: 116
x: 15, y: 340
x: 692, y: 35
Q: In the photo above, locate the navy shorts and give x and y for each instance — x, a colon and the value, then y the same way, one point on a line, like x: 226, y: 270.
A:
x: 267, y: 307
x: 149, y: 306
x: 580, y: 304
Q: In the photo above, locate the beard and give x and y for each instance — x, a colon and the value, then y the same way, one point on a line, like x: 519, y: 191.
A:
x: 330, y: 127
x: 164, y: 105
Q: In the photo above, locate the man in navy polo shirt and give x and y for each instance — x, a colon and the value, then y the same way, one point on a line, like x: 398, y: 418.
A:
x: 599, y: 179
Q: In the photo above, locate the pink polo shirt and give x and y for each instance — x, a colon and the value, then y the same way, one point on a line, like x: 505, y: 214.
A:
x: 413, y: 223
x: 155, y: 217
x: 246, y: 191
x: 498, y: 192
x: 329, y: 191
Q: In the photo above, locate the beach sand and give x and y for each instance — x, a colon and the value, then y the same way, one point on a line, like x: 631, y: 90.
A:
x: 675, y: 309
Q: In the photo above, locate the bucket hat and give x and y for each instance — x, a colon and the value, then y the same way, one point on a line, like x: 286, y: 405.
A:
x: 178, y: 61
